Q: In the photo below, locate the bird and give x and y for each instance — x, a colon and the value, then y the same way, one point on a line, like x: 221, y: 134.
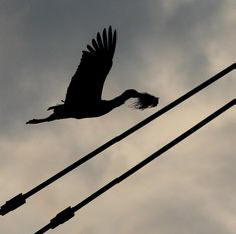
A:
x: 84, y: 93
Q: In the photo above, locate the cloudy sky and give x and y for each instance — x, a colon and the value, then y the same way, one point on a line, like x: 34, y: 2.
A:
x: 165, y: 47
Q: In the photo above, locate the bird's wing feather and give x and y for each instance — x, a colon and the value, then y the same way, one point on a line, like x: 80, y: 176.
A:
x: 87, y: 83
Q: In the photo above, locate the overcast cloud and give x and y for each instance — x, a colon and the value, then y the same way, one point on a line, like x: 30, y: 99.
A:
x: 164, y: 47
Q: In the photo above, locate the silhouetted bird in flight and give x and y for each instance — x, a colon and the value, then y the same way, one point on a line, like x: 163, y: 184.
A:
x: 83, y: 97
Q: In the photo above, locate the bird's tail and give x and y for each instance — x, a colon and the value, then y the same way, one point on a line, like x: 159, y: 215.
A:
x: 56, y: 108
x: 145, y: 100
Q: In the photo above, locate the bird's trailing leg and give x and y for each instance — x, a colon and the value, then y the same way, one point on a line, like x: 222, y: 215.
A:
x: 48, y: 119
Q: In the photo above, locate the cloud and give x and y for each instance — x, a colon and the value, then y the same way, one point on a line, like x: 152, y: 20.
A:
x: 164, y: 47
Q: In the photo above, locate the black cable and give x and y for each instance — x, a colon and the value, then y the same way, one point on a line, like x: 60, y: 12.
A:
x: 68, y: 213
x: 20, y: 199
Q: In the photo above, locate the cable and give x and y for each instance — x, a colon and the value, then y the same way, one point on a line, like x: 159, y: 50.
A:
x: 20, y: 199
x: 68, y: 213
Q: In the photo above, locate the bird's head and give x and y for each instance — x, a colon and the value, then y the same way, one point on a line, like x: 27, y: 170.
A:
x: 146, y: 100
x: 131, y: 93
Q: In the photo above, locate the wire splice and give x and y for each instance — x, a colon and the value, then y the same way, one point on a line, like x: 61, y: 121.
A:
x: 62, y: 217
x: 59, y: 219
x: 12, y: 204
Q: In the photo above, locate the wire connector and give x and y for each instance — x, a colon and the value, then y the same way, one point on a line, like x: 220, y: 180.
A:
x: 62, y: 217
x: 12, y: 204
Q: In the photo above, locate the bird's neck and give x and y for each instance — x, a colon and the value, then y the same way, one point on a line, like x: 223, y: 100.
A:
x: 120, y: 100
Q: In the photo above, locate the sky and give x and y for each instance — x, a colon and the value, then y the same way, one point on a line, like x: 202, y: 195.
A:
x: 164, y: 47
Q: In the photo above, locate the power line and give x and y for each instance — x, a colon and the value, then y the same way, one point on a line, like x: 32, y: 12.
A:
x: 20, y: 199
x: 68, y: 213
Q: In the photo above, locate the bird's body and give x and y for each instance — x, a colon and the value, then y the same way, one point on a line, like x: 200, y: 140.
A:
x: 97, y: 109
x: 84, y: 94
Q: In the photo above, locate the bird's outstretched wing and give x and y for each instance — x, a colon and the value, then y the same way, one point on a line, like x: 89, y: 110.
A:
x: 87, y: 83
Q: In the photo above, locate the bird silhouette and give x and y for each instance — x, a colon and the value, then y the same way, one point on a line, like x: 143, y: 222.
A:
x: 84, y: 94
